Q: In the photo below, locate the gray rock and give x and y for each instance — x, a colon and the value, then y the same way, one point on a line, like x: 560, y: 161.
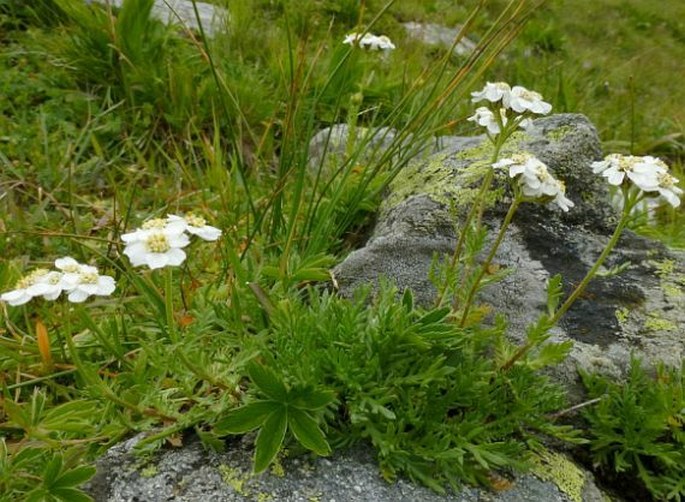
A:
x: 192, y: 473
x: 640, y: 311
x: 182, y: 12
x: 435, y: 35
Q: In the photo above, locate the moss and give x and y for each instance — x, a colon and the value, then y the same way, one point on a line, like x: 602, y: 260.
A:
x: 149, y: 471
x: 558, y: 469
x: 277, y: 468
x: 235, y: 478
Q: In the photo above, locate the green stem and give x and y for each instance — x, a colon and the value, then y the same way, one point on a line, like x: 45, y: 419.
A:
x: 484, y: 267
x: 169, y: 304
x: 602, y: 257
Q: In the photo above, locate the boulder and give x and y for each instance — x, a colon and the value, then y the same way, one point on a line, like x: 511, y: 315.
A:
x: 438, y: 35
x: 193, y: 474
x: 182, y: 12
x: 639, y: 311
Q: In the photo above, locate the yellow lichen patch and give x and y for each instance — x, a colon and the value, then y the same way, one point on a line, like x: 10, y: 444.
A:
x: 654, y: 323
x: 236, y: 479
x: 558, y: 469
x: 672, y: 282
x: 264, y: 497
x: 622, y: 315
x: 277, y: 468
x: 559, y: 133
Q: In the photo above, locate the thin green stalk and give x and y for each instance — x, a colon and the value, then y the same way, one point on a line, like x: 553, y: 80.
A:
x: 169, y: 303
x: 484, y: 267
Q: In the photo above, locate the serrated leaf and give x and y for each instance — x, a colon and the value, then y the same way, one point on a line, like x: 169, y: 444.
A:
x: 270, y: 439
x: 246, y: 418
x: 268, y: 382
x: 307, y: 431
x: 75, y: 477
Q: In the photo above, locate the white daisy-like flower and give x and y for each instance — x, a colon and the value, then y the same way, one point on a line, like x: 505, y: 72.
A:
x: 81, y: 281
x: 484, y: 117
x: 492, y: 92
x: 40, y: 282
x: 195, y: 225
x: 668, y: 189
x: 535, y: 179
x: 369, y: 41
x: 90, y: 283
x: 644, y: 172
x: 156, y: 248
x: 522, y: 100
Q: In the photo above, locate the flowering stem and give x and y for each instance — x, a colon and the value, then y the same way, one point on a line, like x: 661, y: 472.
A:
x: 485, y: 265
x: 475, y: 210
x: 169, y: 303
x: 627, y: 208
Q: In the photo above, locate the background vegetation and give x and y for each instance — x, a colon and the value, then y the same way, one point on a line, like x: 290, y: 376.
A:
x: 107, y: 119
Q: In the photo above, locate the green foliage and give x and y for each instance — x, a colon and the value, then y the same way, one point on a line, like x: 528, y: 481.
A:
x: 420, y: 389
x: 636, y: 430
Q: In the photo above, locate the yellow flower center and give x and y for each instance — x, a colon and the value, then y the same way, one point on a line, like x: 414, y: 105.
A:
x: 89, y: 277
x: 666, y: 180
x: 195, y: 221
x: 158, y: 243
x: 154, y: 223
x: 71, y: 269
x: 30, y: 279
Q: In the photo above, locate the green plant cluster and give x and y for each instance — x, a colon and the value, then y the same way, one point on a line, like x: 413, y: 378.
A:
x: 637, y: 430
x: 108, y: 118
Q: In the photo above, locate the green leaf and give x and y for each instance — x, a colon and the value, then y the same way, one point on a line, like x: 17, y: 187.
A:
x: 52, y: 470
x: 71, y: 495
x: 408, y: 300
x: 267, y: 381
x: 554, y: 293
x: 307, y: 431
x: 75, y: 477
x: 434, y: 316
x: 310, y: 399
x: 247, y: 418
x: 270, y: 439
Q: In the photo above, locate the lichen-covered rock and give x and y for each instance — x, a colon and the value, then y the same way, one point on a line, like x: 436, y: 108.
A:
x: 193, y: 474
x: 641, y: 310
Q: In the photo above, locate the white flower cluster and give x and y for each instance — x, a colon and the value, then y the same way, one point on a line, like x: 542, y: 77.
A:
x: 535, y: 180
x: 648, y: 173
x: 160, y: 241
x: 369, y: 41
x: 78, y: 280
x: 505, y: 103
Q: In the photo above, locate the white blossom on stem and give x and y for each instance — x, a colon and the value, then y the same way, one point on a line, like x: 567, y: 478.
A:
x: 369, y: 41
x: 522, y: 100
x: 643, y: 172
x: 196, y: 225
x: 492, y: 92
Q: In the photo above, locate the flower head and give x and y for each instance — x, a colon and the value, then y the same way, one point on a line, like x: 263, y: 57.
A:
x: 668, y: 189
x: 155, y: 248
x: 522, y: 100
x: 37, y: 283
x: 492, y: 92
x: 643, y: 172
x: 196, y: 225
x: 486, y: 118
x: 89, y: 282
x: 369, y: 41
x: 534, y: 179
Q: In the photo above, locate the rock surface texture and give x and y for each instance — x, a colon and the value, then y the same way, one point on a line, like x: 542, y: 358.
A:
x: 641, y: 310
x: 182, y: 12
x: 193, y: 474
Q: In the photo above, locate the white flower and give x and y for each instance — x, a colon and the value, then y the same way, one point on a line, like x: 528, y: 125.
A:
x: 486, y: 118
x: 522, y: 100
x: 156, y: 248
x: 89, y: 283
x: 40, y: 282
x: 82, y: 281
x: 535, y: 179
x: 370, y: 41
x: 668, y: 189
x: 644, y: 172
x: 195, y: 225
x: 492, y: 92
